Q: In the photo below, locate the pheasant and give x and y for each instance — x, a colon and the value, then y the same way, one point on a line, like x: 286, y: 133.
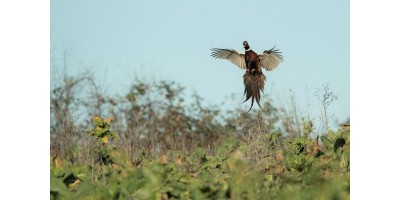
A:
x: 253, y: 79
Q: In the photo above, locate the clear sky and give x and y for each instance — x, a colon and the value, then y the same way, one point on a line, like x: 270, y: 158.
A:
x: 172, y: 40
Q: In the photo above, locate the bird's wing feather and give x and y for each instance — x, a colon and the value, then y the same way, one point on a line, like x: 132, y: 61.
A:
x: 270, y: 59
x: 231, y: 55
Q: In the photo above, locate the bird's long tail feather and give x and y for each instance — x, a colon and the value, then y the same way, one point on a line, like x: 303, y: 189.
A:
x: 253, y: 85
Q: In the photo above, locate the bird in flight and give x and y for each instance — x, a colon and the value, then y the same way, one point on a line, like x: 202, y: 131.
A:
x: 253, y: 79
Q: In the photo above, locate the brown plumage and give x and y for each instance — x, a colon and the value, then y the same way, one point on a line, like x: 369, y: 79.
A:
x: 253, y: 78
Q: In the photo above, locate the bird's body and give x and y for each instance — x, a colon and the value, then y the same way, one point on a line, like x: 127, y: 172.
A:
x: 252, y: 62
x: 253, y: 78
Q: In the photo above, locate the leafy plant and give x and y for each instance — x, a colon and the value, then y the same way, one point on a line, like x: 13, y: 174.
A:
x: 292, y: 170
x: 102, y: 132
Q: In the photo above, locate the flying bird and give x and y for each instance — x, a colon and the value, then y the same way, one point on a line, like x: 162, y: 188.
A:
x: 253, y: 79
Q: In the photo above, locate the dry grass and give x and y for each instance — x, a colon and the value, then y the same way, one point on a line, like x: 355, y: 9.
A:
x: 155, y: 118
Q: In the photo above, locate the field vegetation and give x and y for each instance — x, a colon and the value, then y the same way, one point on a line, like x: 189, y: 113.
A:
x: 155, y: 143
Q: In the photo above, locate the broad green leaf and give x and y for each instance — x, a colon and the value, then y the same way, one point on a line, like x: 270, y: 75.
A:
x: 58, y: 190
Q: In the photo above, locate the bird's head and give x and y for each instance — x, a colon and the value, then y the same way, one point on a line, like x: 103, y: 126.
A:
x: 246, y: 45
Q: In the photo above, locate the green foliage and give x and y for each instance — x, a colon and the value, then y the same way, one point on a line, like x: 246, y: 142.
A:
x: 294, y: 168
x: 338, y: 147
x: 102, y: 132
x: 296, y: 157
x: 175, y: 149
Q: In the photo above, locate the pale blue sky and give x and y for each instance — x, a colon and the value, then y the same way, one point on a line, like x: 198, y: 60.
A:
x: 172, y: 40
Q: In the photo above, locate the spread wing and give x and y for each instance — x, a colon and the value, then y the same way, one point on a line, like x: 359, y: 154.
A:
x: 270, y: 59
x: 231, y: 55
